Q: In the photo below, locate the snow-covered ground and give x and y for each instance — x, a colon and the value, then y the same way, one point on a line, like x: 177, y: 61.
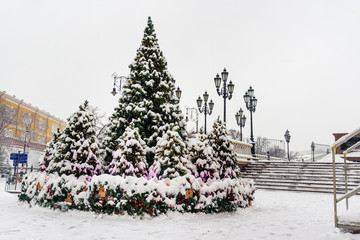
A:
x: 274, y: 215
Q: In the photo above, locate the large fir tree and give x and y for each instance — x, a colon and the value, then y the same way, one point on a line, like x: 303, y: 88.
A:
x: 147, y: 101
x: 76, y: 150
x: 223, y: 150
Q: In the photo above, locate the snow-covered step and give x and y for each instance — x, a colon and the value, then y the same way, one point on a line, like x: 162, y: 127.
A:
x: 313, y: 183
x: 301, y: 176
x: 304, y: 185
x: 305, y: 168
x: 299, y: 189
x: 290, y: 173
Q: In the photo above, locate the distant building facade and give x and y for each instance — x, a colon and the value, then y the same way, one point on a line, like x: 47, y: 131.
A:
x: 343, y: 147
x: 29, y: 125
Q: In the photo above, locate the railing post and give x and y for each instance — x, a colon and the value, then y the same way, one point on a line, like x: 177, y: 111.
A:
x: 346, y: 186
x: 334, y: 183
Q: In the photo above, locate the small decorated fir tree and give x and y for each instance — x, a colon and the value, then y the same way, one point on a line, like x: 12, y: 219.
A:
x: 201, y: 154
x: 223, y: 150
x: 169, y: 160
x: 130, y: 159
x: 49, y: 151
x: 76, y: 149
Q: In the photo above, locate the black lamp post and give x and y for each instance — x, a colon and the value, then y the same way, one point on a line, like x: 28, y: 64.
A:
x: 251, y: 103
x: 26, y: 142
x: 178, y: 94
x: 313, y: 151
x: 205, y: 109
x: 287, y: 139
x: 240, y: 120
x: 226, y: 90
x: 193, y: 110
x: 117, y: 82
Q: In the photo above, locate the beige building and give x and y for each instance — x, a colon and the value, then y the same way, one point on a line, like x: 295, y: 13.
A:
x: 27, y: 124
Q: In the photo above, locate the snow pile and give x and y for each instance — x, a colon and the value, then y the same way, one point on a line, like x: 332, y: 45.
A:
x: 137, y: 196
x: 350, y: 217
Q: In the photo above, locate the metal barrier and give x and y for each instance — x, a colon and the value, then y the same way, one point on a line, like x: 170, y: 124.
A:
x: 13, y: 183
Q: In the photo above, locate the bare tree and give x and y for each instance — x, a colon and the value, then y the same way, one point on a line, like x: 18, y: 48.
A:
x: 7, y: 118
x: 99, y: 118
x: 295, y: 156
x: 234, y: 134
x: 261, y: 145
x: 29, y: 122
x: 278, y: 152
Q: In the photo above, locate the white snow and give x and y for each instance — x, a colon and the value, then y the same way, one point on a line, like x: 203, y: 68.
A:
x: 274, y: 215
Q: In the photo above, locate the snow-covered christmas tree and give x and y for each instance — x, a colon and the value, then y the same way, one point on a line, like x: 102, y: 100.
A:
x: 147, y: 101
x: 145, y: 138
x: 223, y: 150
x: 129, y: 159
x: 201, y: 154
x: 76, y: 149
x: 49, y: 151
x: 169, y: 160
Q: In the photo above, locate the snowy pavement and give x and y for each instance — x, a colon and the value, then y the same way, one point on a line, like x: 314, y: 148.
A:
x: 274, y: 215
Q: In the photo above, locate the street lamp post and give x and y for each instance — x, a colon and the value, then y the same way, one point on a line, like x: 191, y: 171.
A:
x: 117, y: 82
x: 26, y: 143
x: 287, y: 139
x: 205, y: 109
x: 313, y: 151
x: 240, y: 120
x: 226, y: 90
x: 178, y: 94
x: 251, y: 103
x: 193, y: 110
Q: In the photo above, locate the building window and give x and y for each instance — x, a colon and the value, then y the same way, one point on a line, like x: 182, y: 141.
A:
x: 42, y: 124
x: 22, y: 137
x: 9, y: 112
x: 26, y: 119
x: 54, y: 128
x: 9, y: 133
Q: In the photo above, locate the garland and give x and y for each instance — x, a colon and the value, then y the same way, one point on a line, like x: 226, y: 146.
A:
x: 137, y: 196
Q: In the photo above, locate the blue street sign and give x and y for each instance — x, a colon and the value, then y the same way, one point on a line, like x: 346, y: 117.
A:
x: 19, y: 157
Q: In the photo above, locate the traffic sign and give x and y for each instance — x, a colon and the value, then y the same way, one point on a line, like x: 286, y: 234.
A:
x: 19, y: 157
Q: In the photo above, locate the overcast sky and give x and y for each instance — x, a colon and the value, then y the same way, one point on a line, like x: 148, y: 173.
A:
x: 301, y: 57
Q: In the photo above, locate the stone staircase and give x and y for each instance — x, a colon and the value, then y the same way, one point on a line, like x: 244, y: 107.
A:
x: 302, y: 176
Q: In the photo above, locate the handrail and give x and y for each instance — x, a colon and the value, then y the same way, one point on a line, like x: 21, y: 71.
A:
x: 347, y: 194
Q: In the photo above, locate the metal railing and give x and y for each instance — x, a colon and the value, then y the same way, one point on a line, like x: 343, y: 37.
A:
x: 347, y: 195
x: 13, y: 183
